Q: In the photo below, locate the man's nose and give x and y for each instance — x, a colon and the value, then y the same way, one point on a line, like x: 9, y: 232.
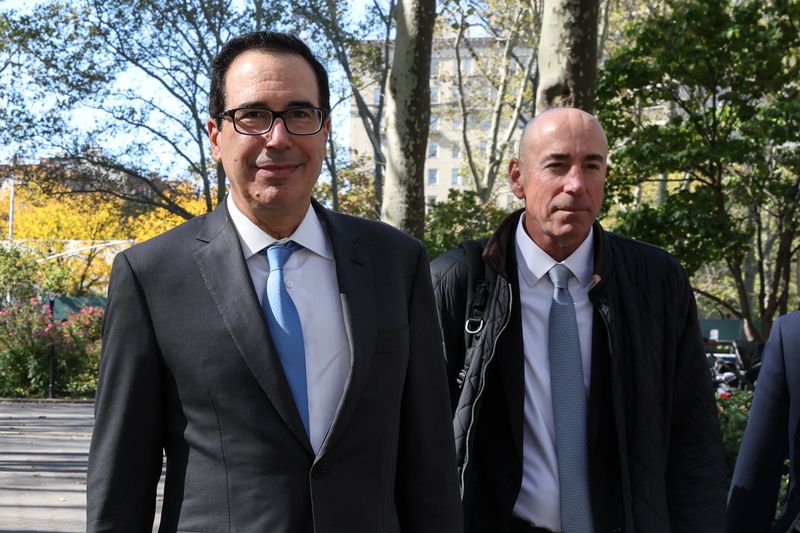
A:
x: 278, y: 136
x: 575, y: 180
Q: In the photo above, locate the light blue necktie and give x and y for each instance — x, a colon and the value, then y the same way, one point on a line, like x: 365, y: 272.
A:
x: 569, y: 407
x: 284, y: 325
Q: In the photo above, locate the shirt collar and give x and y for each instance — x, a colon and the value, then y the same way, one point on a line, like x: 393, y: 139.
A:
x: 533, y: 263
x: 309, y: 234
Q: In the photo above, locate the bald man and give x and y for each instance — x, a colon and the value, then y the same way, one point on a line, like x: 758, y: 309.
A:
x: 582, y: 401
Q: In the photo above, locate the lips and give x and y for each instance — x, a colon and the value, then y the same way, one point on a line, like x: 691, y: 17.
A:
x: 277, y: 170
x: 570, y: 209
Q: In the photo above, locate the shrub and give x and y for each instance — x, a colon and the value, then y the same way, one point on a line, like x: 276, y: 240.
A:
x: 28, y: 336
x: 80, y: 351
x: 734, y: 409
x: 462, y: 216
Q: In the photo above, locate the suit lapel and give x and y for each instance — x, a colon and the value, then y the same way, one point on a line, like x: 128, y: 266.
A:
x: 225, y: 274
x: 354, y: 275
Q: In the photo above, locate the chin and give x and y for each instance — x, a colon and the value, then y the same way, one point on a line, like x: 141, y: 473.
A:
x: 573, y: 231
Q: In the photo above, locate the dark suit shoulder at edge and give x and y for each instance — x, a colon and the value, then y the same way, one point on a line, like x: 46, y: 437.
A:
x: 165, y: 242
x: 644, y: 251
x: 373, y: 229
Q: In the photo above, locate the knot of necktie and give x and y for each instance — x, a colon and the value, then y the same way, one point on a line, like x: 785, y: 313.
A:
x: 559, y: 275
x: 279, y: 253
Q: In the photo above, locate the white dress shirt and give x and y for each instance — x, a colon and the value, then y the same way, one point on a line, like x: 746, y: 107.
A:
x: 538, y: 499
x: 310, y: 277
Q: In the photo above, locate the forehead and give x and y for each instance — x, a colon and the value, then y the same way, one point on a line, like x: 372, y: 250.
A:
x: 271, y: 79
x: 568, y: 133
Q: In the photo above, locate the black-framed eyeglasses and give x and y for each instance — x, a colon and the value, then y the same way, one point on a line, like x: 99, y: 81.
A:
x: 259, y: 120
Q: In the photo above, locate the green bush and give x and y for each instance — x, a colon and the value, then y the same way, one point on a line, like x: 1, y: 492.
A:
x: 80, y: 351
x: 734, y: 409
x: 28, y: 336
x: 462, y: 216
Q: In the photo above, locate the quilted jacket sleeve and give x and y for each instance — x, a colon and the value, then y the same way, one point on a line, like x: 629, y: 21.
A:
x: 449, y: 276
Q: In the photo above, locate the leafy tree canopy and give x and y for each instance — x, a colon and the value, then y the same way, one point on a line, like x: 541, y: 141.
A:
x: 705, y: 96
x: 80, y: 234
x: 114, y: 93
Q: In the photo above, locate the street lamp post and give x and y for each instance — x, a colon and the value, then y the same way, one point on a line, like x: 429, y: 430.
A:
x: 51, y: 384
x: 11, y: 210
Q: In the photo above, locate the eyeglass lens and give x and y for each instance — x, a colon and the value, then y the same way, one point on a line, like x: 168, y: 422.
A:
x: 298, y: 120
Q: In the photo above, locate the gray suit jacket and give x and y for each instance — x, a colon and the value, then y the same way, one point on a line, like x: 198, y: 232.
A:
x: 188, y: 367
x: 771, y: 437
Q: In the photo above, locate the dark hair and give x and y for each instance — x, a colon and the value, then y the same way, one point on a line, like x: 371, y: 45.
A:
x: 266, y: 41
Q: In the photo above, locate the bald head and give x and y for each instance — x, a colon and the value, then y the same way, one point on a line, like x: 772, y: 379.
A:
x: 569, y: 118
x: 560, y: 173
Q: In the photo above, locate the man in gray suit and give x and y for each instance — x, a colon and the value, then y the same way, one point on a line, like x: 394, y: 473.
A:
x: 336, y: 421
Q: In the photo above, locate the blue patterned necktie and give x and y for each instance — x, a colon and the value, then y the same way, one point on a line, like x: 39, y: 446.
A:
x: 569, y: 407
x: 284, y: 325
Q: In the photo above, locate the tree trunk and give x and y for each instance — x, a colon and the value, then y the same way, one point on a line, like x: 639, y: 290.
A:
x: 408, y: 110
x: 568, y: 55
x: 333, y: 170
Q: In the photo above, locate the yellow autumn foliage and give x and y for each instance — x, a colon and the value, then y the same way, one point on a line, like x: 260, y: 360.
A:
x: 93, y: 227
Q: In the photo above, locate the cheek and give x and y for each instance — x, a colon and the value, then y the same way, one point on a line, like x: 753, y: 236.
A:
x: 598, y: 191
x: 544, y: 195
x: 319, y: 149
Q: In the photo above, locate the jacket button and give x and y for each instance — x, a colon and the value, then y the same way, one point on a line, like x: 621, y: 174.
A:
x: 319, y: 471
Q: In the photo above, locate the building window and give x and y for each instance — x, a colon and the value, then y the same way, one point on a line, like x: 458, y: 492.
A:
x: 376, y: 96
x: 484, y: 148
x: 433, y: 149
x: 469, y: 66
x: 433, y: 176
x: 434, y: 95
x: 430, y: 200
x: 455, y: 152
x: 436, y: 67
x: 434, y: 123
x: 455, y: 179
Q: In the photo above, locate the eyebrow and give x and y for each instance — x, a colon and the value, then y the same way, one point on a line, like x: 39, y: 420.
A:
x: 565, y: 157
x: 293, y: 103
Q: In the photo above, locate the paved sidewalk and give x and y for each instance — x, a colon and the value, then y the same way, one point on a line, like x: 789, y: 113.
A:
x: 44, y: 448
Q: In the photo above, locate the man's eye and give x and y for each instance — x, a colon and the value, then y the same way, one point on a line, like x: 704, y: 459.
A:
x: 254, y: 114
x: 299, y: 113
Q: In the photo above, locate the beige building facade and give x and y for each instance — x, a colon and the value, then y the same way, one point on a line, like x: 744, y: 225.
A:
x: 446, y: 164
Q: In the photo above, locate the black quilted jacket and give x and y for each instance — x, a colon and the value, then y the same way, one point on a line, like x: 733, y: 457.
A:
x: 664, y: 414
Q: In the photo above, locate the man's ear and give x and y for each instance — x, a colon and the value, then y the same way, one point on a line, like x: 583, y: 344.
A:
x: 515, y: 178
x: 326, y: 128
x: 213, y: 136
